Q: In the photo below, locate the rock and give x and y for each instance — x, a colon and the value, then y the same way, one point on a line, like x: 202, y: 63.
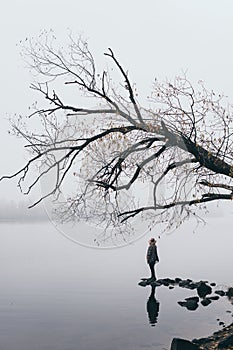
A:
x: 171, y: 287
x: 146, y: 281
x: 214, y: 297
x: 215, y: 336
x: 220, y: 292
x: 229, y: 292
x: 201, y: 341
x: 143, y: 283
x: 222, y: 337
x: 192, y: 306
x: 160, y: 280
x: 166, y: 284
x: 184, y: 283
x: 177, y: 280
x: 166, y: 281
x: 182, y: 303
x: 182, y: 344
x: 151, y: 279
x: 213, y: 284
x: 203, y: 289
x: 224, y: 344
x: 155, y: 284
x: 169, y: 280
x: 192, y: 285
x: 206, y: 302
x: 194, y: 299
x: 190, y: 303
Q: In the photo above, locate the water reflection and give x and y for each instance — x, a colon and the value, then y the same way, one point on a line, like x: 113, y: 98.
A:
x: 191, y: 304
x: 229, y: 294
x: 206, y: 294
x: 152, y: 307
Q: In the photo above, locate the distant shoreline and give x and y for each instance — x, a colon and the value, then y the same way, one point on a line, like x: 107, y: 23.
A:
x: 22, y: 221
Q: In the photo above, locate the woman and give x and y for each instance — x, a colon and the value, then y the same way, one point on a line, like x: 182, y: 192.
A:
x: 152, y: 257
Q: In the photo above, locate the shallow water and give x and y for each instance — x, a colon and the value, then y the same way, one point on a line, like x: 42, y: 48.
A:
x: 58, y: 295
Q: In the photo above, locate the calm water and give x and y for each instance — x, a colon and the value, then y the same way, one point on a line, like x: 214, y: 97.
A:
x: 58, y: 295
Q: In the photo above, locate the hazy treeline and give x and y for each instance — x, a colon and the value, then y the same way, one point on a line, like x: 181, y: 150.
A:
x: 18, y: 211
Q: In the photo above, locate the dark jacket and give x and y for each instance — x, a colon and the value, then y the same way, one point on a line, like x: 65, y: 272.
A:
x: 152, y: 255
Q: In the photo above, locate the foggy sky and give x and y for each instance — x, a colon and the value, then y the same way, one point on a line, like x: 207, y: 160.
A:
x: 151, y: 39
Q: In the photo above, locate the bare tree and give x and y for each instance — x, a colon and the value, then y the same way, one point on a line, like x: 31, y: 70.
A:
x: 179, y: 147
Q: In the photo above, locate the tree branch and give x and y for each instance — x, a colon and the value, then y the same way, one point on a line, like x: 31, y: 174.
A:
x: 128, y: 86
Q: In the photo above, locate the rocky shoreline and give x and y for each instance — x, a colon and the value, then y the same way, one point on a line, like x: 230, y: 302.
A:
x: 222, y: 339
x: 206, y: 293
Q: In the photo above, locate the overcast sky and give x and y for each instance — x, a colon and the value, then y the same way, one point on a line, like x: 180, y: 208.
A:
x: 151, y: 38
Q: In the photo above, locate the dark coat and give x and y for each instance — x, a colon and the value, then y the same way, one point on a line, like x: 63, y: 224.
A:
x: 152, y: 254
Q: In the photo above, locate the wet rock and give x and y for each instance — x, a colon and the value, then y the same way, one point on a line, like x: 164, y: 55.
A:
x: 155, y: 284
x: 182, y: 344
x: 222, y: 337
x: 220, y: 292
x: 182, y: 303
x: 151, y: 279
x: 192, y: 285
x: 177, y: 280
x: 229, y: 292
x: 201, y: 341
x: 190, y: 303
x: 203, y: 289
x: 170, y: 280
x: 166, y: 284
x: 159, y: 282
x: 224, y: 344
x: 143, y: 283
x: 194, y: 299
x: 214, y: 297
x: 166, y: 281
x: 146, y: 281
x: 191, y: 306
x: 184, y: 283
x: 206, y: 302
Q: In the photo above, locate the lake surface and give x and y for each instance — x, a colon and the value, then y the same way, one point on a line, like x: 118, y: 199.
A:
x: 58, y: 295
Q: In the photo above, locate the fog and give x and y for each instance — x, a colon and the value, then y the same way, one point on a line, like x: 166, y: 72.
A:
x: 60, y: 295
x: 18, y: 211
x: 156, y: 40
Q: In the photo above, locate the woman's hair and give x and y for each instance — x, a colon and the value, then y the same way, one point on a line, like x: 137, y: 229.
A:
x: 152, y: 241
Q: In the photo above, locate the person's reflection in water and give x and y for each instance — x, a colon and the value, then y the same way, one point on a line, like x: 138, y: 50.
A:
x: 152, y: 308
x: 229, y: 294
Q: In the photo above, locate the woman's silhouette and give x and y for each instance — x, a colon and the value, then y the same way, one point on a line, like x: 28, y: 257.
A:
x: 152, y: 257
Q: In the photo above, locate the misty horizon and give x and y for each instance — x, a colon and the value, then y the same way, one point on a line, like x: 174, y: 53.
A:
x: 11, y: 210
